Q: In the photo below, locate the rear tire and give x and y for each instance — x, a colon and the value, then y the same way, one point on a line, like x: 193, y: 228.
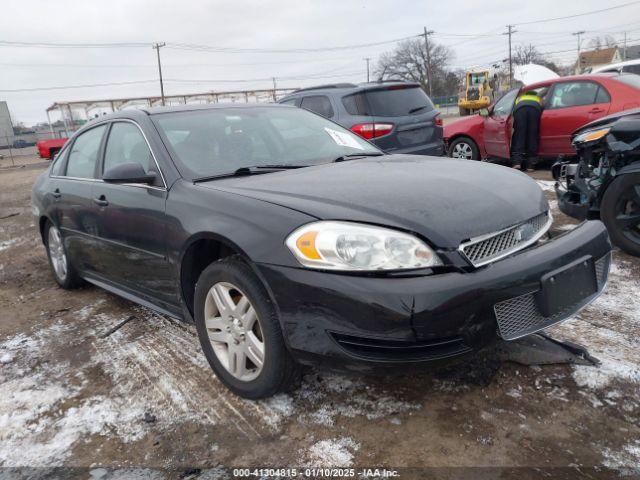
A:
x: 620, y: 212
x: 53, y: 152
x: 239, y: 331
x: 464, y: 148
x: 63, y: 271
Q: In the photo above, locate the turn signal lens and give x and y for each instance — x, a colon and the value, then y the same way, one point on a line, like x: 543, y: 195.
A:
x: 591, y: 135
x: 306, y: 244
x: 352, y: 246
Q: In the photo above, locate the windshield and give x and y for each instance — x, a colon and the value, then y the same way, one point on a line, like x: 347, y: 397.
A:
x: 221, y: 140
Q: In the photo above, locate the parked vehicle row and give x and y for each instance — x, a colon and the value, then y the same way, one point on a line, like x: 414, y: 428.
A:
x: 290, y: 240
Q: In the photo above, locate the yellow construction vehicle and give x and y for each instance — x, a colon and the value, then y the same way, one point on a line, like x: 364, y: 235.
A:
x: 476, y: 93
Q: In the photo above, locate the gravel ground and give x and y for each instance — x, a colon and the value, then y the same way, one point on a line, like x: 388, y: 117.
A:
x: 144, y: 399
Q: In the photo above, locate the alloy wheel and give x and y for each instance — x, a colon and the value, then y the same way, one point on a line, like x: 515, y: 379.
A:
x: 628, y: 213
x: 462, y: 150
x: 56, y: 253
x: 234, y: 331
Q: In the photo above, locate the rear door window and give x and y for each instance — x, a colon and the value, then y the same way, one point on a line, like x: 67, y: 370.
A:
x: 573, y: 94
x: 397, y: 102
x: 319, y: 104
x: 84, y: 153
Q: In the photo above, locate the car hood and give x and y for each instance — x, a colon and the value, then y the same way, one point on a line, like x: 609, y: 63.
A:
x: 463, y: 125
x: 445, y: 201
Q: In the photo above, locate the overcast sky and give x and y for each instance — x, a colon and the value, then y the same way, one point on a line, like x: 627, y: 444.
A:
x: 284, y: 24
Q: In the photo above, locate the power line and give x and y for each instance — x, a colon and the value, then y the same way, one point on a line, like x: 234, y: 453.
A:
x: 67, y: 87
x: 579, y: 14
x: 8, y: 43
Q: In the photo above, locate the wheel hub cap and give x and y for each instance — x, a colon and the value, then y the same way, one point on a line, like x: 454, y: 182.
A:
x: 56, y: 253
x: 234, y: 331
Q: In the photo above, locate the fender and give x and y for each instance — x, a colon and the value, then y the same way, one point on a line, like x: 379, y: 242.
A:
x: 631, y: 168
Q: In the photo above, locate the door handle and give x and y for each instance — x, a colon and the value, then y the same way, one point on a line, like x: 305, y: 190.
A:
x: 56, y: 193
x: 596, y: 110
x: 101, y: 200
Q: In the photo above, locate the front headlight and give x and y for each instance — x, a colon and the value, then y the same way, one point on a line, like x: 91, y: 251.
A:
x: 352, y: 246
x: 591, y: 135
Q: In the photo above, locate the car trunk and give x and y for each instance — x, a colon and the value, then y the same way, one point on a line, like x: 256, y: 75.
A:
x: 407, y: 112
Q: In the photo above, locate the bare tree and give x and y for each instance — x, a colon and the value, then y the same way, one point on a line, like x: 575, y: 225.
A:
x: 408, y: 62
x: 606, y: 41
x: 525, y: 54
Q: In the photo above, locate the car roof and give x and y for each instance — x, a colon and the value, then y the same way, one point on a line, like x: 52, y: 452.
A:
x: 605, y: 68
x: 137, y: 113
x: 342, y: 88
x: 573, y: 78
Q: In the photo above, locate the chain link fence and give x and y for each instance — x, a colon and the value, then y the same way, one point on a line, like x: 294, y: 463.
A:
x: 17, y: 150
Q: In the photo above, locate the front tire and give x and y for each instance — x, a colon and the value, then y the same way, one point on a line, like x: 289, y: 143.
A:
x: 464, y: 148
x: 240, y: 333
x: 620, y: 211
x: 63, y: 271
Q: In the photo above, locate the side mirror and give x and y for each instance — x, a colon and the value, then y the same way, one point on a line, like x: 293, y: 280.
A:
x: 484, y: 112
x: 128, y: 173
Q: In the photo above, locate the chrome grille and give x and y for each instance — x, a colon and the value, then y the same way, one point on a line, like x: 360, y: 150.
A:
x: 491, y: 247
x: 520, y: 316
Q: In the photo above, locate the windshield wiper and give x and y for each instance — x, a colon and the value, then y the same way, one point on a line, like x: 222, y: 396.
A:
x: 351, y: 156
x: 417, y: 109
x: 252, y: 170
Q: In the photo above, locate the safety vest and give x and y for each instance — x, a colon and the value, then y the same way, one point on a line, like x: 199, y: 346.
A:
x: 528, y: 100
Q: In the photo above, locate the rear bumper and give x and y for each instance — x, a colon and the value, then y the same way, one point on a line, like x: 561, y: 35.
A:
x: 361, y: 323
x: 434, y: 149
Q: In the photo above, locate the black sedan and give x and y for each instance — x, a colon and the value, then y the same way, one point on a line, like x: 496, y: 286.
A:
x: 289, y: 240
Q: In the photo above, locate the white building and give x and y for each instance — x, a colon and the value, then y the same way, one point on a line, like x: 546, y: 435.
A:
x: 6, y: 127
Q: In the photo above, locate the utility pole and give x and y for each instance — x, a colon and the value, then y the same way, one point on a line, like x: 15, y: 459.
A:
x: 510, y: 31
x: 274, y: 88
x: 624, y: 50
x: 426, y: 46
x: 157, y: 47
x: 577, y: 34
x: 367, y: 59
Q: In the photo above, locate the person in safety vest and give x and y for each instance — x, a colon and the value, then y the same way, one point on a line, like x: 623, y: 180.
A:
x: 526, y: 129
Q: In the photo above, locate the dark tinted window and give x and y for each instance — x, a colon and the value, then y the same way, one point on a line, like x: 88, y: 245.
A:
x: 84, y: 153
x: 632, y: 69
x: 602, y: 96
x: 126, y: 144
x: 395, y: 102
x: 355, y: 104
x: 318, y: 104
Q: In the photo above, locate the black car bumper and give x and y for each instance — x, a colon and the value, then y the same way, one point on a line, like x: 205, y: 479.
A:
x: 359, y: 322
x: 570, y: 203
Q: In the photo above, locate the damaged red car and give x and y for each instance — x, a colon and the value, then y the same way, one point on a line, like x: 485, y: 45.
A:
x: 569, y: 103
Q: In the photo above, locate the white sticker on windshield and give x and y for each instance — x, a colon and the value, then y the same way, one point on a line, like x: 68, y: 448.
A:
x: 344, y: 139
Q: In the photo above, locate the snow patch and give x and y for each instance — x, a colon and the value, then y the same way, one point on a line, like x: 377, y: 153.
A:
x: 546, y: 185
x: 332, y: 453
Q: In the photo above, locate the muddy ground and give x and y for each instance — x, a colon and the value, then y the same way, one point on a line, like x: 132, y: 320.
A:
x: 144, y: 399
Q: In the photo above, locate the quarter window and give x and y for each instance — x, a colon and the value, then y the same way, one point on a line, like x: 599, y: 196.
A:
x: 318, y: 104
x: 574, y: 94
x: 84, y: 153
x: 126, y: 144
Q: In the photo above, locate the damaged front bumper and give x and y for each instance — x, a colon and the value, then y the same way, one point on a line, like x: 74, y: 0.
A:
x: 358, y: 322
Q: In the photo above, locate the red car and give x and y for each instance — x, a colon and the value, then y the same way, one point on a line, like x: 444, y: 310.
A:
x: 49, y: 148
x: 569, y: 103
